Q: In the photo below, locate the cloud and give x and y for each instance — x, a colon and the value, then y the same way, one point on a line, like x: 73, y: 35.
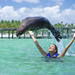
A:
x: 30, y: 1
x: 8, y: 13
x: 18, y: 1
x: 73, y: 5
x: 54, y: 14
x: 33, y: 1
x: 58, y: 2
x: 68, y: 16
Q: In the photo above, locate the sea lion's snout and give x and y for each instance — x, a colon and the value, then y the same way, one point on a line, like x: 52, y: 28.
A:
x: 20, y: 31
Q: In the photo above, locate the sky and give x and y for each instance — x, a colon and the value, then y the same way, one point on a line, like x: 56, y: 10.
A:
x: 54, y: 10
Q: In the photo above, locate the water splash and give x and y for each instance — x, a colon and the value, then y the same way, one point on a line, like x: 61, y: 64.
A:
x: 60, y: 45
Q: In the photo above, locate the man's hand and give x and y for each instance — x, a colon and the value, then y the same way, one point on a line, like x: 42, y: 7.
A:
x: 74, y: 36
x: 31, y: 33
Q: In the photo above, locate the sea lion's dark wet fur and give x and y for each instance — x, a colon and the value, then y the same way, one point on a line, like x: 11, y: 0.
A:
x: 34, y: 23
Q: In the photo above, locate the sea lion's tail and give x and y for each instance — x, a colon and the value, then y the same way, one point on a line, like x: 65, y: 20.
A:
x: 55, y: 33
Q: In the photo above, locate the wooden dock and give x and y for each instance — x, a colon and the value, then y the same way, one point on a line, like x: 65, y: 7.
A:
x: 43, y: 33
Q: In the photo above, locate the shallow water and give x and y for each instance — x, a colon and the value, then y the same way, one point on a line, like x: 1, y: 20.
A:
x: 21, y: 57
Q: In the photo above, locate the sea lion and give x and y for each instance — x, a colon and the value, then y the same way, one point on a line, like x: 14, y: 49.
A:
x: 34, y: 23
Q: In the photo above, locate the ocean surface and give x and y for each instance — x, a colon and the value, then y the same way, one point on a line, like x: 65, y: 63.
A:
x: 21, y: 57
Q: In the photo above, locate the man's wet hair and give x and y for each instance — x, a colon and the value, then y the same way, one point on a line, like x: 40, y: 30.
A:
x: 56, y: 48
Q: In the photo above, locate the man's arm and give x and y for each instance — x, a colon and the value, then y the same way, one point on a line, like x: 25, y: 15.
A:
x: 37, y: 44
x: 66, y: 48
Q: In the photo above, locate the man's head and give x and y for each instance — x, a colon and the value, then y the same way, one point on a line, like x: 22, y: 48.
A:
x: 53, y: 48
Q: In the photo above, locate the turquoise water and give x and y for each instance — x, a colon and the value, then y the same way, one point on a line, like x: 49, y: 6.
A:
x: 21, y: 57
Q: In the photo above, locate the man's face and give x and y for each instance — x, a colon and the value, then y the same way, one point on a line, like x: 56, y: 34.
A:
x: 52, y: 48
